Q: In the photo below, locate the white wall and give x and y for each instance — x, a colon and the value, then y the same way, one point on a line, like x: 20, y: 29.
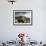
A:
x: 38, y: 30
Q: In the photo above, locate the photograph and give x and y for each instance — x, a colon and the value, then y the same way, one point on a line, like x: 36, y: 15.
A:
x: 22, y: 16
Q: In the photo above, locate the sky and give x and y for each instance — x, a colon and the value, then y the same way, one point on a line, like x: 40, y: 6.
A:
x: 26, y: 14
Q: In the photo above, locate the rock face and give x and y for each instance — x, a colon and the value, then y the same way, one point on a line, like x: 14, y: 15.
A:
x: 22, y: 19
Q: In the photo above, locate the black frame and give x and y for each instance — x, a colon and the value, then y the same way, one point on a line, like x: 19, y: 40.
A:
x: 24, y: 10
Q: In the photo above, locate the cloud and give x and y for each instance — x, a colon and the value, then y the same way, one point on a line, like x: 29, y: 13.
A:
x: 20, y: 13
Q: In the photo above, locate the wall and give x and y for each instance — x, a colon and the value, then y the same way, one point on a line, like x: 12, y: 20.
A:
x: 37, y: 31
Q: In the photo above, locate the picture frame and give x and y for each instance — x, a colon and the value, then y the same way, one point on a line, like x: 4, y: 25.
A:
x: 22, y: 17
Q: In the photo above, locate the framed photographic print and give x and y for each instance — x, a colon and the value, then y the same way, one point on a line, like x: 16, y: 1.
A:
x: 22, y: 17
